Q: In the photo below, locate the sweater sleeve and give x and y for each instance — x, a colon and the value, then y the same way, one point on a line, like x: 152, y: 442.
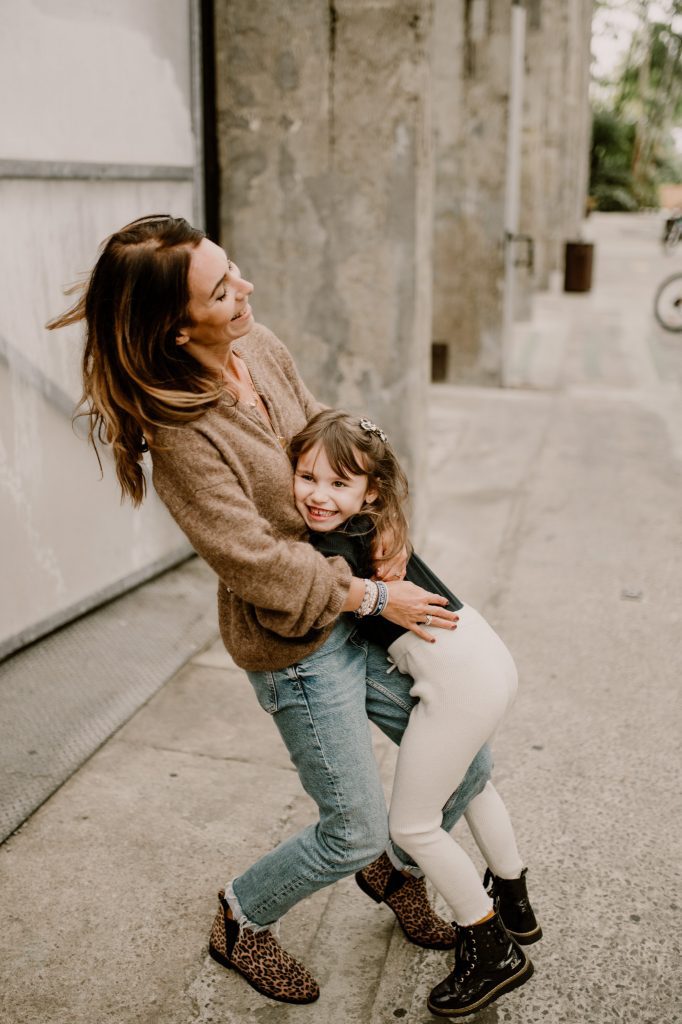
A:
x: 292, y: 587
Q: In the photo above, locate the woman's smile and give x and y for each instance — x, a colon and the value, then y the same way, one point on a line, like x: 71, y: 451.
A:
x: 242, y: 314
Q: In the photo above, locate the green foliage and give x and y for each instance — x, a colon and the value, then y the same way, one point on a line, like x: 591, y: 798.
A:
x: 611, y: 198
x: 632, y: 142
x: 612, y: 142
x: 670, y: 169
x: 650, y: 80
x: 612, y: 185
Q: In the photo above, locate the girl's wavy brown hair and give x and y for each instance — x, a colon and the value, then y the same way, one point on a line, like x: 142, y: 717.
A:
x: 354, y: 450
x: 135, y: 377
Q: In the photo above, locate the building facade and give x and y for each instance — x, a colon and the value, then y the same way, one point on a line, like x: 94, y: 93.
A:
x: 100, y: 126
x: 398, y: 177
x: 381, y: 169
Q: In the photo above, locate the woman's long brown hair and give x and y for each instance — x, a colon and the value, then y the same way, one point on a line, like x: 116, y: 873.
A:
x: 135, y: 376
x: 354, y: 450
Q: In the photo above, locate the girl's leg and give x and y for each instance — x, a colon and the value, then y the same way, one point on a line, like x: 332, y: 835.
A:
x: 465, y: 683
x: 491, y: 827
x: 319, y: 709
x: 389, y: 705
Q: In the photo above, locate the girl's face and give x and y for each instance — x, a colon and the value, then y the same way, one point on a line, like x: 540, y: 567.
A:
x: 325, y: 499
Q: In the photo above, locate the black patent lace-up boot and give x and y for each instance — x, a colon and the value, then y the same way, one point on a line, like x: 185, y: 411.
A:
x: 510, y: 899
x: 488, y: 963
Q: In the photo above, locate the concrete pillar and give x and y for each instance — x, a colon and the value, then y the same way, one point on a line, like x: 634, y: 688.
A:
x: 579, y: 115
x: 471, y: 82
x: 471, y: 107
x: 327, y: 180
x: 557, y: 128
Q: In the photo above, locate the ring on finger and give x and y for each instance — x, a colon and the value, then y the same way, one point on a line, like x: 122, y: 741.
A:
x: 428, y: 620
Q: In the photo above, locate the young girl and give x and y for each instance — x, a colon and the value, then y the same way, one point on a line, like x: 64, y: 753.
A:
x: 348, y: 486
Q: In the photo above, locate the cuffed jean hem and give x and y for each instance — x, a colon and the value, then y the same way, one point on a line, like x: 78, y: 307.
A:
x: 241, y: 918
x: 408, y: 867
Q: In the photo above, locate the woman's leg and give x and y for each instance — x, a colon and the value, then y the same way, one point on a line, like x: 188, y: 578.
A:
x: 319, y: 709
x: 465, y: 683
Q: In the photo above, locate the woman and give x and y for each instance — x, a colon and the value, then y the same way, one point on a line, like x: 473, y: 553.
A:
x: 174, y: 362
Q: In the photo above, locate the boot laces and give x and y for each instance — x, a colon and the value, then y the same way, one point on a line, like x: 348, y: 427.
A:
x: 465, y: 952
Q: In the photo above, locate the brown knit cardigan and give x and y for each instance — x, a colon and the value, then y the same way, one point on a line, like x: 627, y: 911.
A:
x: 227, y: 482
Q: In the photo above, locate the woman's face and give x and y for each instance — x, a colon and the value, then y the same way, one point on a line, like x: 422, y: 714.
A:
x: 219, y: 300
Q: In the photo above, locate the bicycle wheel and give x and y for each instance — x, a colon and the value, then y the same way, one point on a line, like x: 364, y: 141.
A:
x: 668, y: 303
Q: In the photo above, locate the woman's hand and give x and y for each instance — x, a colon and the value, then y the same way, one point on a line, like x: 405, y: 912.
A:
x: 413, y: 608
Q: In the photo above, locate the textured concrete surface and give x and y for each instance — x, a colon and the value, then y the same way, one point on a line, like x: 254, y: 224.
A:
x: 61, y: 698
x: 557, y: 129
x: 471, y: 67
x: 471, y: 75
x: 554, y: 509
x: 324, y: 129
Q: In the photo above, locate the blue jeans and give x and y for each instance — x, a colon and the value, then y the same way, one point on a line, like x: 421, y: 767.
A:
x: 322, y: 707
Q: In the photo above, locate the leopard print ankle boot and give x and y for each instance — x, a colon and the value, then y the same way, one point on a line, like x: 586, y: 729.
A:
x: 409, y: 901
x: 260, y: 959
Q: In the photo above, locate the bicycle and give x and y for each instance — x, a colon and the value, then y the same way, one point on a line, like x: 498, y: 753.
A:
x: 668, y: 303
x: 672, y: 232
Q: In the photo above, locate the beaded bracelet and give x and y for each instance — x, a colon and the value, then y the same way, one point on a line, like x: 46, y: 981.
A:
x: 382, y: 599
x: 369, y: 600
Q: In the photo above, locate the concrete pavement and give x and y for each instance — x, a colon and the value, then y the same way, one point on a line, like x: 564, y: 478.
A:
x: 554, y: 508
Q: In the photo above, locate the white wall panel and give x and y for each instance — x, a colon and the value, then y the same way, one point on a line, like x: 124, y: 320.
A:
x: 104, y: 83
x: 96, y: 80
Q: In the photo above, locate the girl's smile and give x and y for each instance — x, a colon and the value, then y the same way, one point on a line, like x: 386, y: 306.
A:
x: 325, y: 499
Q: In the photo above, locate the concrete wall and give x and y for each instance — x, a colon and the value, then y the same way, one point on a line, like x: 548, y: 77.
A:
x: 471, y: 104
x: 341, y: 126
x: 327, y: 180
x: 471, y: 82
x: 557, y: 128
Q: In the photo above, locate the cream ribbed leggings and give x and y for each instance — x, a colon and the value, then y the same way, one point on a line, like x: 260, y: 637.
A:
x: 465, y: 683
